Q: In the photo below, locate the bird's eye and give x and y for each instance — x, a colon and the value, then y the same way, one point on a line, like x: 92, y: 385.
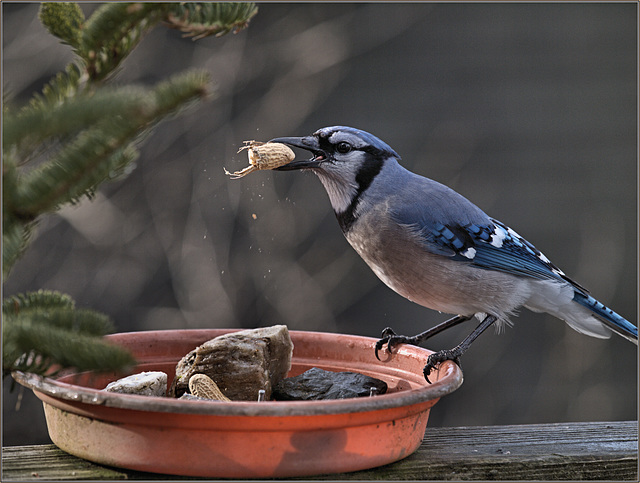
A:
x: 343, y: 147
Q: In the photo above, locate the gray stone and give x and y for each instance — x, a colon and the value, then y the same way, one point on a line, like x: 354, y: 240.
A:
x: 240, y: 363
x: 320, y: 384
x: 152, y: 383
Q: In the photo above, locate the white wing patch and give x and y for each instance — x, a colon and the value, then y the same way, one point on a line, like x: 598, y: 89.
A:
x: 498, y: 236
x: 469, y: 253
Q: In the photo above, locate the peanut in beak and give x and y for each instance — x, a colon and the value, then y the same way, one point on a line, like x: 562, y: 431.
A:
x: 263, y: 156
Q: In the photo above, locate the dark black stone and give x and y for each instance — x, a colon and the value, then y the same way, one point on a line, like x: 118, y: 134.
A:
x: 319, y: 384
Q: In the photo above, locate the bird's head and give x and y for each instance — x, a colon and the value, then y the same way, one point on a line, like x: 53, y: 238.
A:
x: 345, y: 159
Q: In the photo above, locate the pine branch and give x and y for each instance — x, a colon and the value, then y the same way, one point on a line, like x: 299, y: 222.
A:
x: 15, y: 233
x: 64, y: 20
x: 42, y: 329
x: 102, y: 151
x: 180, y: 91
x: 74, y: 172
x: 113, y: 31
x: 105, y: 39
x: 42, y: 299
x: 63, y: 86
x: 199, y: 20
x: 79, y: 321
x: 44, y: 122
x: 36, y: 346
x: 15, y: 240
x: 116, y: 28
x: 85, y: 134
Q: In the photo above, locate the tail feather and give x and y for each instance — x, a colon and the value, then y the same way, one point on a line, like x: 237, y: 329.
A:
x: 615, y: 322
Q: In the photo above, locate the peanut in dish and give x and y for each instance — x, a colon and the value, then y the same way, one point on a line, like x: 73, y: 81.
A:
x: 203, y: 386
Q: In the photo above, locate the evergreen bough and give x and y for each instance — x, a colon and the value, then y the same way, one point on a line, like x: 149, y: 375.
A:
x: 76, y: 134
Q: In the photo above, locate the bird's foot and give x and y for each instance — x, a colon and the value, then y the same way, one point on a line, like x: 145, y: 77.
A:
x: 441, y: 356
x: 391, y: 339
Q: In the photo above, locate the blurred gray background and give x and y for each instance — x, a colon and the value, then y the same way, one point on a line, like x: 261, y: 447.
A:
x: 529, y: 110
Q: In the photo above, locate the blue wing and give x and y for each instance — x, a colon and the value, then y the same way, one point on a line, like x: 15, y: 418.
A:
x: 489, y: 244
x: 495, y: 246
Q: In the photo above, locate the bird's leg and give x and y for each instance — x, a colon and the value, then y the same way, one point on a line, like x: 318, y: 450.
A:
x: 390, y: 338
x: 455, y: 353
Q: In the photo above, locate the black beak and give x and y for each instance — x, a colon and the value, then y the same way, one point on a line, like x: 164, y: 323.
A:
x: 310, y: 143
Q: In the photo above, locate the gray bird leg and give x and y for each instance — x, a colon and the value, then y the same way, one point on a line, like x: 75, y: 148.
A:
x: 392, y: 339
x: 455, y: 353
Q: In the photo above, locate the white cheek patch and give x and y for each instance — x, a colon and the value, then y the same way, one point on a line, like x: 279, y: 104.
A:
x: 340, y: 193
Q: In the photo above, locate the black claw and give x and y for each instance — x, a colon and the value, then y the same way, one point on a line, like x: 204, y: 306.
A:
x: 387, y: 332
x: 437, y: 358
x: 387, y: 335
x: 427, y: 370
x: 392, y: 340
x: 379, y: 345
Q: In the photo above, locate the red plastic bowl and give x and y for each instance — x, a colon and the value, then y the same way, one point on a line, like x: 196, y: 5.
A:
x: 246, y: 439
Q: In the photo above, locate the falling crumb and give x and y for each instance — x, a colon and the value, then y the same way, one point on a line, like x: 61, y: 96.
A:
x: 254, y: 216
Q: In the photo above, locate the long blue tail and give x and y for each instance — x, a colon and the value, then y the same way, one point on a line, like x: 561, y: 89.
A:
x: 615, y: 322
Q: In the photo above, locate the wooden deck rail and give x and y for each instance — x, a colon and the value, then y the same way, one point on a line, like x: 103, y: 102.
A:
x: 565, y: 451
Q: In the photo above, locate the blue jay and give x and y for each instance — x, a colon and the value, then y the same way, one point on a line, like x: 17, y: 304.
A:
x: 436, y: 248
